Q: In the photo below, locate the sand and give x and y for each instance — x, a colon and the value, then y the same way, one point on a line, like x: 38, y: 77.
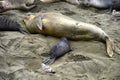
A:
x: 21, y: 55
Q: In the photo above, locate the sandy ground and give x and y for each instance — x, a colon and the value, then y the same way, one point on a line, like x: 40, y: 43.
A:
x: 21, y: 55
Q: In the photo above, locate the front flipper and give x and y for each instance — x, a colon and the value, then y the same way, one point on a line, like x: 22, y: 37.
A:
x: 39, y: 22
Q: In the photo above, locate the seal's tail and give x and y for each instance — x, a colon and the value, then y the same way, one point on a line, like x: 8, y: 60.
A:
x: 110, y: 46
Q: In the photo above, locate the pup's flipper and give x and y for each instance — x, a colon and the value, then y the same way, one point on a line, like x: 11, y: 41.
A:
x: 49, y: 61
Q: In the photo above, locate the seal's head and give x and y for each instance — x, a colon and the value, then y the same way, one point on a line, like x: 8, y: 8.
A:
x: 28, y: 19
x: 64, y: 39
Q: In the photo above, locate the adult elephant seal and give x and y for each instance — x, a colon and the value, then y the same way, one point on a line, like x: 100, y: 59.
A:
x: 111, y: 4
x: 60, y: 48
x: 69, y: 1
x: 6, y: 5
x: 58, y: 25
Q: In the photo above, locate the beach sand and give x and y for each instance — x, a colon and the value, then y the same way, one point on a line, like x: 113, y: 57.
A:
x: 21, y: 55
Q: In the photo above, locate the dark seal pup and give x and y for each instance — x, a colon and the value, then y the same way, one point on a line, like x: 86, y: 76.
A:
x: 60, y: 48
x: 7, y: 24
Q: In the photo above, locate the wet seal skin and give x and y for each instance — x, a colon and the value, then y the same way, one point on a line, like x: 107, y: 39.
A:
x: 58, y: 49
x: 58, y: 25
x: 6, y: 5
x: 7, y: 24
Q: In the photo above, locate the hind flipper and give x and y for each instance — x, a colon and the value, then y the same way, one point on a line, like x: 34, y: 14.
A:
x: 49, y: 61
x: 46, y: 60
x: 110, y: 46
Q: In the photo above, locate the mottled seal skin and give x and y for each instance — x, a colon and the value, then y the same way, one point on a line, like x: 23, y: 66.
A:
x: 112, y: 4
x: 75, y: 2
x: 7, y: 24
x: 59, y: 49
x: 58, y: 25
x: 6, y: 5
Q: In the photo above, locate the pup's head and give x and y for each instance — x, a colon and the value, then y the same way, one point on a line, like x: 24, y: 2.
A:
x: 64, y: 39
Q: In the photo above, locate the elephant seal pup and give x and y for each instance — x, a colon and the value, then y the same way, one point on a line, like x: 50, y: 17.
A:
x: 60, y: 48
x: 76, y: 2
x: 58, y: 25
x: 7, y: 24
x: 6, y: 5
x: 112, y: 4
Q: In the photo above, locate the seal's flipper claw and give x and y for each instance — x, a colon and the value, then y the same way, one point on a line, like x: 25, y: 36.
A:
x: 46, y: 60
x: 109, y: 45
x: 51, y: 61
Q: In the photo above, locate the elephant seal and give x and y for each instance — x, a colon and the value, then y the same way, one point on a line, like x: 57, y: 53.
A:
x: 6, y: 5
x: 60, y: 48
x: 58, y: 25
x: 7, y: 24
x: 111, y: 4
x: 76, y: 2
